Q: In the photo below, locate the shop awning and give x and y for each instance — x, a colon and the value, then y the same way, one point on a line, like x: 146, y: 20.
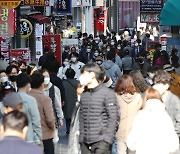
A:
x: 170, y: 13
x: 41, y: 19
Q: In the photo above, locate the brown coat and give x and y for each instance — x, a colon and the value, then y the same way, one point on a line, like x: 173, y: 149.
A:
x: 129, y: 106
x: 46, y: 113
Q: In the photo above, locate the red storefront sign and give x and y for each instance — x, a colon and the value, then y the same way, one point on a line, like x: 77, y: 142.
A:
x: 7, y: 23
x: 21, y: 54
x: 53, y: 43
x: 36, y: 2
x: 100, y: 19
x: 5, y: 47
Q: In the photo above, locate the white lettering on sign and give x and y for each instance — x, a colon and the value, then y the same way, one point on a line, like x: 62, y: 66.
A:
x: 149, y: 18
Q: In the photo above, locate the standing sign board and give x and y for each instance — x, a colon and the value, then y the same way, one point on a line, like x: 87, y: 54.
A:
x: 151, y: 48
x: 7, y: 24
x: 53, y: 43
x: 5, y: 47
x: 62, y: 6
x: 21, y: 54
x: 36, y: 2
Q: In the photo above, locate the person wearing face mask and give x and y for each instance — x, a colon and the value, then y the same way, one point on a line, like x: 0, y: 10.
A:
x: 34, y: 134
x: 99, y: 60
x: 98, y: 112
x: 46, y: 111
x: 12, y: 71
x: 75, y: 64
x: 86, y: 54
x: 162, y: 82
x: 54, y: 93
x: 61, y: 71
x: 22, y: 66
x: 138, y: 48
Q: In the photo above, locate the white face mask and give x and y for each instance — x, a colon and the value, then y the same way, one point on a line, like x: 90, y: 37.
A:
x: 65, y: 63
x: 108, y: 49
x: 46, y: 80
x: 96, y: 54
x: 136, y: 44
x: 148, y: 57
x: 84, y: 79
x: 112, y: 43
x: 4, y: 79
x: 99, y: 62
x: 151, y: 75
x: 73, y: 59
x: 88, y: 50
x: 118, y: 48
x: 97, y: 41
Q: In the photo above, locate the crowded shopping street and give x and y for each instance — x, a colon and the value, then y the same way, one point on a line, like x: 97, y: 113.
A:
x: 89, y: 77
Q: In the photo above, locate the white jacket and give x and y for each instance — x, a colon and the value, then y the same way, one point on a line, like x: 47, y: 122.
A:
x: 153, y: 131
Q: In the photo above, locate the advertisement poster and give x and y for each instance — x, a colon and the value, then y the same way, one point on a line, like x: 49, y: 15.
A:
x: 100, y: 19
x: 5, y: 47
x: 53, y: 42
x: 7, y: 24
x: 62, y: 6
x: 151, y: 48
x: 21, y: 54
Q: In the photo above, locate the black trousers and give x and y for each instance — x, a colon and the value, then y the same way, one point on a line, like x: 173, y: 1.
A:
x: 100, y: 147
x: 48, y: 146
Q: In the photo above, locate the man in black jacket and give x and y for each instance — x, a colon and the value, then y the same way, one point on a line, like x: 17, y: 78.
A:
x: 98, y: 112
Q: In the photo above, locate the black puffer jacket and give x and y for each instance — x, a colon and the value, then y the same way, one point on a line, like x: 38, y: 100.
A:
x: 98, y: 115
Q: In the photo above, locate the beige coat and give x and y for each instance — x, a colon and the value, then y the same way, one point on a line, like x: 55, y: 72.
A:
x: 129, y: 106
x: 46, y: 113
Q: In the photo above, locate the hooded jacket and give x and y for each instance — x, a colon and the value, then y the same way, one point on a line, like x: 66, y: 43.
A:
x: 112, y: 71
x: 129, y: 106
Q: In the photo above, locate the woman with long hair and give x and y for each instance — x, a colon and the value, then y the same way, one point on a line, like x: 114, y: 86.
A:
x: 153, y: 130
x: 130, y: 102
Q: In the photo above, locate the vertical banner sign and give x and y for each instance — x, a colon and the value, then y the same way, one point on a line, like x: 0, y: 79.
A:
x: 63, y: 6
x: 5, y: 47
x: 100, y: 19
x: 21, y: 54
x: 6, y: 22
x: 36, y: 2
x: 53, y: 42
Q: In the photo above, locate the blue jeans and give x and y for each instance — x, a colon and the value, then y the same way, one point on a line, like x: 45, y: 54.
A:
x: 114, y: 147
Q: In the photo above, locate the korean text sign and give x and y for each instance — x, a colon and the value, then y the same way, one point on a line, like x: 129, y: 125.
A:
x: 53, y: 43
x: 63, y: 6
x: 36, y: 2
x: 7, y: 23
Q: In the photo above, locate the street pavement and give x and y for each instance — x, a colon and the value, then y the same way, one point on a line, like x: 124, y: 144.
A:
x: 61, y: 147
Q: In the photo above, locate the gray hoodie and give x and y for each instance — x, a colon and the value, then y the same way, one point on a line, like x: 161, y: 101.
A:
x: 112, y: 71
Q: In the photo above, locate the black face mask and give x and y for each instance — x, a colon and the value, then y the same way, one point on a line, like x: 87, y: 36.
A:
x: 23, y: 70
x: 13, y: 78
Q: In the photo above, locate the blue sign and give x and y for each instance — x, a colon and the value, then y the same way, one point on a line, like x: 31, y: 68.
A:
x: 62, y: 6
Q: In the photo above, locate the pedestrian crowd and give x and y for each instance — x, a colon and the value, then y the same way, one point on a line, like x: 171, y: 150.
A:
x: 112, y: 95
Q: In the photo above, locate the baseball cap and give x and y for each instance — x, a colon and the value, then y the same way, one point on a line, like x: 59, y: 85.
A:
x: 12, y: 99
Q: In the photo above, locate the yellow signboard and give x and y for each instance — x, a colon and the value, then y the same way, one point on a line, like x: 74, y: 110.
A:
x: 10, y: 3
x: 25, y: 28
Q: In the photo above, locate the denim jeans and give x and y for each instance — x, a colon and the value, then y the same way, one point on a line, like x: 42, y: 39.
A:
x: 114, y: 147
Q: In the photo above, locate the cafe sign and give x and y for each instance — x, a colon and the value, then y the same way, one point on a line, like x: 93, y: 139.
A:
x: 25, y: 28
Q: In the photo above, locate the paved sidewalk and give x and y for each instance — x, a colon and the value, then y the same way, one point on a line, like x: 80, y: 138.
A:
x: 61, y: 147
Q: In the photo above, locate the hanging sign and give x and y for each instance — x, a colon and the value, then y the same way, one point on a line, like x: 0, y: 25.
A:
x: 36, y: 2
x: 7, y: 24
x: 63, y: 6
x: 25, y: 28
x: 9, y: 3
x: 53, y: 43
